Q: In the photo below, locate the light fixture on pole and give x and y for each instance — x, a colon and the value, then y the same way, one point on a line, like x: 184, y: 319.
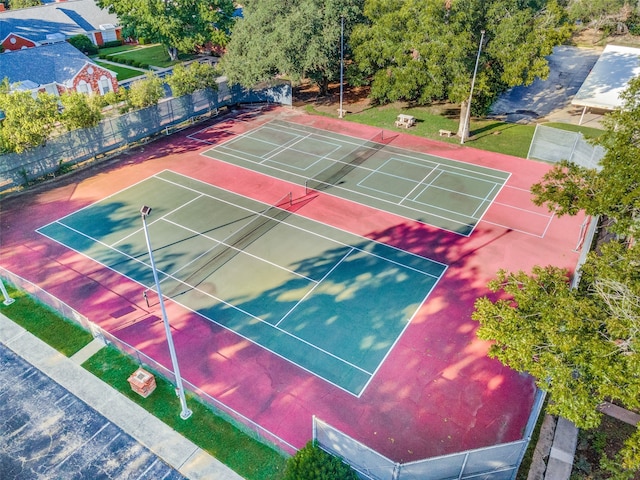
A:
x: 465, y: 126
x: 185, y: 413
x: 341, y: 112
x: 7, y: 299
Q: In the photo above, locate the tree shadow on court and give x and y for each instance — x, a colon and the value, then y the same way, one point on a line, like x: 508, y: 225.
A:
x: 453, y: 397
x: 439, y: 367
x: 359, y: 311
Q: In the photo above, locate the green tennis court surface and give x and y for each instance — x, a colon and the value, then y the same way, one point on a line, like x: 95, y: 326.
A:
x: 330, y: 302
x: 445, y: 193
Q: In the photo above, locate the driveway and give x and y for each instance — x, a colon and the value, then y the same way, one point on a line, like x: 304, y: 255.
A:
x: 550, y: 99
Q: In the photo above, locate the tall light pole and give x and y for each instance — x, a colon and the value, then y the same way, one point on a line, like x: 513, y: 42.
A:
x: 465, y: 126
x: 340, y: 113
x: 185, y: 413
x: 7, y: 299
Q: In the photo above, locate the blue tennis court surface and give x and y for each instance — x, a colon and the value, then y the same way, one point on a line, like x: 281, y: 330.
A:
x: 445, y: 193
x: 331, y: 302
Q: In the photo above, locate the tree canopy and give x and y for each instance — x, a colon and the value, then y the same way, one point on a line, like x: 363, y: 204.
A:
x: 28, y: 120
x: 16, y: 4
x: 298, y: 39
x: 196, y: 76
x: 424, y: 51
x: 145, y: 92
x: 180, y: 25
x: 80, y: 110
x: 582, y: 344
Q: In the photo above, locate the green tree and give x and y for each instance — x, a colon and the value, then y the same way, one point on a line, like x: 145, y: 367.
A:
x: 581, y: 345
x: 16, y: 4
x: 424, y: 51
x: 298, y: 39
x: 145, y: 92
x: 597, y: 13
x: 312, y: 462
x: 180, y: 26
x: 80, y: 110
x: 28, y: 120
x: 82, y: 43
x: 197, y: 76
x: 613, y: 190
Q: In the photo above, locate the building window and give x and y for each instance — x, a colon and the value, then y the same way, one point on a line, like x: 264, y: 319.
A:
x: 83, y: 87
x: 104, y: 84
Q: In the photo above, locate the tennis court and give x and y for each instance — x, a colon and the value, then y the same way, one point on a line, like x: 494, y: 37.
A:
x: 445, y: 193
x: 331, y: 302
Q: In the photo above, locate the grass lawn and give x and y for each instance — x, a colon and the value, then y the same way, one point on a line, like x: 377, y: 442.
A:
x: 65, y: 336
x: 238, y: 450
x: 123, y: 73
x: 491, y: 135
x: 495, y: 136
x: 232, y: 446
x: 588, y: 132
x: 155, y: 55
x: 121, y: 48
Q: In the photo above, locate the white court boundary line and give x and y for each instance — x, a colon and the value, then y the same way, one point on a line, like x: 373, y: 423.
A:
x: 446, y: 167
x: 353, y: 249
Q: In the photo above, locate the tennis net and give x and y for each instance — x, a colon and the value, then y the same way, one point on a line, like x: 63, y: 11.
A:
x: 195, y: 273
x: 332, y: 175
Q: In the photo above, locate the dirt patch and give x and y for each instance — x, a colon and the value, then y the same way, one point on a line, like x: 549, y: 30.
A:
x: 590, y: 37
x: 354, y: 99
x: 607, y: 439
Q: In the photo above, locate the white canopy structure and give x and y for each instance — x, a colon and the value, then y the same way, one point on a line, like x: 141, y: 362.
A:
x: 608, y: 78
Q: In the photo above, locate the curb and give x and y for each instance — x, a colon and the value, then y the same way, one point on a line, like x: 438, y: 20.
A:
x: 174, y: 449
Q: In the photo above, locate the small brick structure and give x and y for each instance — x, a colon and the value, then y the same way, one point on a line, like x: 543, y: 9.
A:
x: 142, y: 382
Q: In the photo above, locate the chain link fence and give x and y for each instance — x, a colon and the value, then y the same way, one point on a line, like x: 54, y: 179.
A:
x: 115, y: 133
x: 240, y: 421
x: 554, y: 145
x: 498, y: 462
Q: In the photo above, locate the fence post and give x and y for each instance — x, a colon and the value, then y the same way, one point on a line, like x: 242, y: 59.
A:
x: 314, y: 429
x: 575, y: 143
x: 533, y: 140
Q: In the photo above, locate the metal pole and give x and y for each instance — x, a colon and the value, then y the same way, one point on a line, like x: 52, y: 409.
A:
x: 7, y: 299
x: 340, y: 113
x: 465, y: 126
x: 185, y: 413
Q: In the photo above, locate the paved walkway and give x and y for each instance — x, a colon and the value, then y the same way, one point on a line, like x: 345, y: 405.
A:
x: 171, y: 447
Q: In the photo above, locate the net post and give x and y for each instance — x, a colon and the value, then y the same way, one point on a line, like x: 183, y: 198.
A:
x: 306, y: 187
x: 290, y: 198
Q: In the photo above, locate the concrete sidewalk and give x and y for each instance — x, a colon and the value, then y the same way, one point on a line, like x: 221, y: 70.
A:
x: 173, y: 448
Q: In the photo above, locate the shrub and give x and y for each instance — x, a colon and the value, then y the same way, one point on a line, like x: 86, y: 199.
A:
x: 82, y: 43
x: 114, y: 43
x: 633, y: 23
x: 314, y: 463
